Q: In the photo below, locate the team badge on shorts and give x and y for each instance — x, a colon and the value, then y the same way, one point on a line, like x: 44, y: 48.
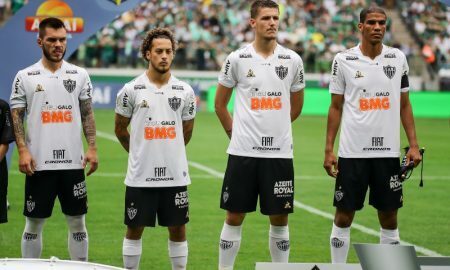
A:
x: 69, y: 85
x: 338, y: 195
x: 30, y: 205
x: 174, y: 103
x: 389, y: 71
x: 281, y: 72
x: 131, y: 211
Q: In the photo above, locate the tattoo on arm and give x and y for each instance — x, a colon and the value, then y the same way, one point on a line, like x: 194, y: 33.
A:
x: 88, y: 121
x: 18, y: 115
x: 122, y: 134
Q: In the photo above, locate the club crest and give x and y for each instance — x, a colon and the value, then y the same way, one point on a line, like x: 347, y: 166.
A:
x: 389, y: 71
x: 131, y: 211
x: 30, y: 206
x: 174, y: 103
x: 281, y: 72
x: 69, y: 85
x: 225, y: 196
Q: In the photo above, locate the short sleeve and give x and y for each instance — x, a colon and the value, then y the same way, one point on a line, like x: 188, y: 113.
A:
x: 337, y: 82
x: 405, y: 72
x: 227, y: 75
x: 18, y: 97
x: 299, y: 79
x: 86, y: 89
x: 190, y: 105
x: 124, y: 105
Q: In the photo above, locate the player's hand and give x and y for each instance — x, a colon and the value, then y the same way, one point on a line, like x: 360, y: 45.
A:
x: 413, y: 155
x: 330, y: 164
x: 27, y: 165
x: 92, y: 158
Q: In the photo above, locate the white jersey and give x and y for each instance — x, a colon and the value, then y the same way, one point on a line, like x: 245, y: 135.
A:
x: 371, y: 114
x: 157, y: 155
x: 54, y: 126
x: 261, y: 120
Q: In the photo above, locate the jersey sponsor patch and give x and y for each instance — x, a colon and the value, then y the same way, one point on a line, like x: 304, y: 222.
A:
x: 39, y: 88
x: 284, y: 56
x: 33, y: 73
x: 390, y: 55
x: 351, y: 58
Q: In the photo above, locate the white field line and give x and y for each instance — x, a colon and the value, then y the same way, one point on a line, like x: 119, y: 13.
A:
x: 298, y: 204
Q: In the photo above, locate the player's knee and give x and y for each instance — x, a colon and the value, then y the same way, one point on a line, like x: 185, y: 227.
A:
x: 343, y: 219
x: 76, y: 223
x: 134, y: 233
x: 388, y: 219
x: 34, y: 225
x: 279, y: 220
x: 235, y: 219
x: 177, y: 233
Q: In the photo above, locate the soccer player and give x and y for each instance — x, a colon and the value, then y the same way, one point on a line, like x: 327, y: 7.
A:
x: 161, y: 110
x: 6, y: 137
x: 268, y: 80
x: 369, y: 93
x: 56, y: 97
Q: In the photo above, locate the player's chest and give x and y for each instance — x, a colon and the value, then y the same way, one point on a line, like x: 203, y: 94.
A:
x: 55, y: 85
x: 260, y: 72
x: 159, y: 101
x: 384, y: 75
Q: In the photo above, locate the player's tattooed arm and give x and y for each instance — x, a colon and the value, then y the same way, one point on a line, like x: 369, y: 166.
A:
x: 121, y: 130
x: 18, y: 115
x: 88, y: 121
x: 188, y: 127
x: 27, y: 164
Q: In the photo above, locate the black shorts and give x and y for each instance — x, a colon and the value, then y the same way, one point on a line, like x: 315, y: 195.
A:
x: 247, y: 177
x: 3, y: 191
x: 42, y: 188
x: 143, y: 205
x: 356, y: 175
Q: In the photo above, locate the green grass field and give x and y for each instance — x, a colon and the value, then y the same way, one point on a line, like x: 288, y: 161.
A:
x: 424, y: 219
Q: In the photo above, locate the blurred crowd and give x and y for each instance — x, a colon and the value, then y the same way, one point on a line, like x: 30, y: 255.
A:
x: 428, y: 20
x: 208, y: 30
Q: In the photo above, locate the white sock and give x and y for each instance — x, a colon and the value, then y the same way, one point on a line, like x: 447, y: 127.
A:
x: 339, y: 243
x: 78, y: 241
x: 32, y: 238
x: 391, y: 237
x: 279, y: 245
x: 131, y: 250
x: 178, y: 253
x: 230, y: 241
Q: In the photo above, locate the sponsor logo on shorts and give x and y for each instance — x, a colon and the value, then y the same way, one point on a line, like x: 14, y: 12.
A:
x: 29, y: 236
x: 131, y: 212
x: 283, y: 189
x: 287, y: 205
x: 394, y: 183
x: 79, y: 190
x: 79, y: 236
x: 283, y: 245
x: 224, y: 244
x: 181, y: 199
x: 338, y: 195
x: 30, y: 205
x: 337, y: 243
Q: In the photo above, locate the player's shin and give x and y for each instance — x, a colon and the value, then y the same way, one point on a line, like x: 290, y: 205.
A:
x: 230, y: 241
x: 32, y: 238
x: 339, y: 244
x: 131, y: 250
x: 78, y: 241
x: 178, y: 253
x: 279, y: 244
